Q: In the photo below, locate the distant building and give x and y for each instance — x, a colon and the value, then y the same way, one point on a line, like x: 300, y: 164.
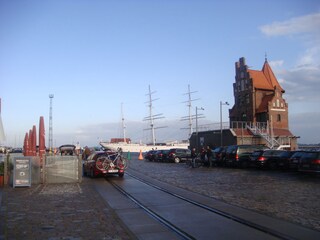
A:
x: 259, y: 114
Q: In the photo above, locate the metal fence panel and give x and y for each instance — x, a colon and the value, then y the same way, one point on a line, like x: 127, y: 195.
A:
x: 62, y: 169
x: 35, y: 168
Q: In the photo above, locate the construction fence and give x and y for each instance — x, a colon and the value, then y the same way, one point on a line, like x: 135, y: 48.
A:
x: 54, y: 169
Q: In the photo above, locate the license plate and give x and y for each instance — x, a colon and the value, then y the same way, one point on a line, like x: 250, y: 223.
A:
x: 113, y: 170
x: 295, y: 161
x: 305, y: 165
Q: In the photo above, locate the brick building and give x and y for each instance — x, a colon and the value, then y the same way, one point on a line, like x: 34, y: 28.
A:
x: 259, y: 114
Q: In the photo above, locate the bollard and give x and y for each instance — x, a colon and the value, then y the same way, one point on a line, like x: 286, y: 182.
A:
x: 129, y: 155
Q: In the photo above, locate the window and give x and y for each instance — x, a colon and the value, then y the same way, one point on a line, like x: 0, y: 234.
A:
x: 278, y: 118
x: 278, y: 103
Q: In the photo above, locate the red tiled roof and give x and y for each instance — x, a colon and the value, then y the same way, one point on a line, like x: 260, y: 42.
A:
x: 259, y: 80
x: 276, y: 132
x: 267, y: 71
x: 264, y: 79
x: 242, y: 132
x: 282, y: 132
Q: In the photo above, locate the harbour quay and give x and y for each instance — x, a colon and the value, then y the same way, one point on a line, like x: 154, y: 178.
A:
x: 79, y: 211
x: 287, y: 195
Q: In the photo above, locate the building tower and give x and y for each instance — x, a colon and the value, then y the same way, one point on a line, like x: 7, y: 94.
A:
x: 50, y: 124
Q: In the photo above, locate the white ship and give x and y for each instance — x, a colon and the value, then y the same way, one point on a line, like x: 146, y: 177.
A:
x: 127, y: 146
x: 136, y: 147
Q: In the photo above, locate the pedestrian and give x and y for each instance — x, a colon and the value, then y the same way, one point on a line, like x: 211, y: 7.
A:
x: 193, y: 157
x: 209, y: 156
x: 203, y: 156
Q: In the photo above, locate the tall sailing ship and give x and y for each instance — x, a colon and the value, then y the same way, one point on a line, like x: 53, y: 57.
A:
x: 127, y: 146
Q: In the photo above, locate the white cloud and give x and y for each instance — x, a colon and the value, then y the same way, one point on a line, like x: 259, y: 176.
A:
x: 310, y: 58
x: 302, y: 81
x: 304, y: 24
x: 277, y: 63
x: 303, y: 125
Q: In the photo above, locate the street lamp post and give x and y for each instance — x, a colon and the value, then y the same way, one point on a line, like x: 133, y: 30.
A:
x: 197, y: 139
x: 221, y: 103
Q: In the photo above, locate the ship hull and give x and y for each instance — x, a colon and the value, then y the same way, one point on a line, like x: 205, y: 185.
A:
x: 141, y: 147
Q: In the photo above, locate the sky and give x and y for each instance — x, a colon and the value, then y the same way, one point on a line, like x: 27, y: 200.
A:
x: 99, y: 57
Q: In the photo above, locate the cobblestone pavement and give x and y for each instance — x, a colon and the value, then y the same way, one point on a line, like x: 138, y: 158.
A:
x: 58, y: 211
x: 77, y: 211
x: 286, y: 195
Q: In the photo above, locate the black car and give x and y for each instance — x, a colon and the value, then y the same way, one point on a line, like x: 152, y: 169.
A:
x: 150, y: 155
x: 310, y: 162
x: 161, y: 155
x: 220, y: 154
x: 179, y: 154
x: 239, y: 155
x: 266, y: 158
x: 283, y: 159
x: 295, y: 159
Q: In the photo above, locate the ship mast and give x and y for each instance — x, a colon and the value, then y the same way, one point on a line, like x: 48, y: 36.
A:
x: 123, y: 124
x: 152, y: 117
x: 190, y: 116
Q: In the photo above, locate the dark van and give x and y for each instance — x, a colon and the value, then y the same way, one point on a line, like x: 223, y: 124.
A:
x: 239, y: 155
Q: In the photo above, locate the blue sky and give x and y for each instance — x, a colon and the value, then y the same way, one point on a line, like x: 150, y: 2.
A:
x: 95, y: 55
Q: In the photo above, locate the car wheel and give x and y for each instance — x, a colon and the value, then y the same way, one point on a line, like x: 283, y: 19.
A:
x: 176, y: 160
x: 121, y: 174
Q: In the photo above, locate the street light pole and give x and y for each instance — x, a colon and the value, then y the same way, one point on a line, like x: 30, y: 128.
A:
x: 197, y: 139
x: 221, y: 103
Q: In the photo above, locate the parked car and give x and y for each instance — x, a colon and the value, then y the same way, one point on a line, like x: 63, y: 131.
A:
x: 239, y: 155
x: 310, y: 162
x: 295, y: 159
x: 67, y: 149
x: 161, y: 155
x: 150, y: 155
x: 283, y: 159
x: 179, y: 154
x: 266, y: 158
x: 16, y: 150
x: 102, y: 163
x: 220, y: 154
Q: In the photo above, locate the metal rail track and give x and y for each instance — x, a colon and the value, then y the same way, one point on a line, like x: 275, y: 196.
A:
x: 182, y: 233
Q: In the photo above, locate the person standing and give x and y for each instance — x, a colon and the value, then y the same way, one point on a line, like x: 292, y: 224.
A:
x: 193, y: 157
